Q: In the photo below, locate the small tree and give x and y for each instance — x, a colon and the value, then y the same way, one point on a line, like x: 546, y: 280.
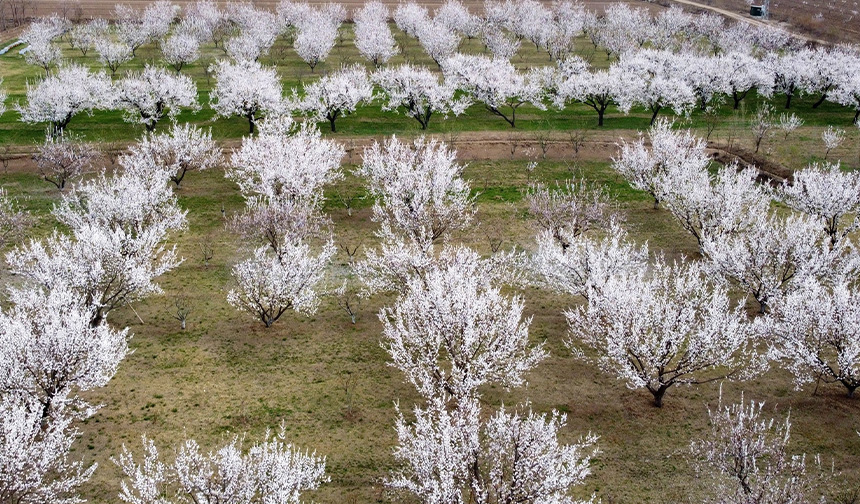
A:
x: 570, y: 209
x: 148, y: 96
x: 84, y: 35
x: 14, y: 222
x: 419, y: 191
x: 181, y: 309
x: 180, y: 49
x: 269, y: 285
x: 335, y: 95
x: 185, y: 148
x: 788, y: 123
x: 113, y: 54
x: 832, y: 138
x: 745, y: 458
x: 816, y: 332
x: 761, y: 124
x: 670, y: 327
x: 419, y: 93
x: 245, y: 89
x: 63, y: 158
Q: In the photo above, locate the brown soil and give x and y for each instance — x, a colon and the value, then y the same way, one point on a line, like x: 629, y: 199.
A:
x: 768, y: 169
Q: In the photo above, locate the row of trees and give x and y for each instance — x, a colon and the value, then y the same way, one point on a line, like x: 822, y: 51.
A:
x: 452, y: 330
x: 657, y: 77
x: 650, y: 79
x: 244, y: 32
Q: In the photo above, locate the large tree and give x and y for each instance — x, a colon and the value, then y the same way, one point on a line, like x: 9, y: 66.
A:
x: 662, y: 328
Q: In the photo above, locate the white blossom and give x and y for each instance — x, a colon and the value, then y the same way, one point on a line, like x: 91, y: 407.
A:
x: 35, y: 465
x: 452, y: 457
x: 315, y: 39
x: 496, y: 84
x: 832, y: 138
x: 185, y: 148
x: 113, y: 54
x: 453, y: 331
x: 409, y: 17
x: 813, y: 331
x: 270, y: 472
x: 573, y: 265
x: 14, y: 222
x: 246, y: 89
x: 58, y: 98
x: 116, y: 249
x: 373, y: 37
x: 64, y: 157
x: 419, y: 191
x: 148, y: 96
x: 335, y: 95
x: 268, y: 285
x: 52, y: 353
x: 826, y: 193
x: 418, y: 91
x: 775, y: 255
x: 745, y: 459
x: 286, y: 161
x: 180, y: 49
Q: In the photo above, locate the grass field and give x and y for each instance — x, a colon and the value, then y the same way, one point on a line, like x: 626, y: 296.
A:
x: 328, y: 379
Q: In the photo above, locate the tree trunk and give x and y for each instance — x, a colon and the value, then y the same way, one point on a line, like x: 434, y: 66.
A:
x: 788, y: 99
x: 820, y: 100
x: 654, y: 116
x: 658, y: 395
x: 600, y: 117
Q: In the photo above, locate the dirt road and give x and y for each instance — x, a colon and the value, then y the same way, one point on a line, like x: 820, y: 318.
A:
x: 741, y: 17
